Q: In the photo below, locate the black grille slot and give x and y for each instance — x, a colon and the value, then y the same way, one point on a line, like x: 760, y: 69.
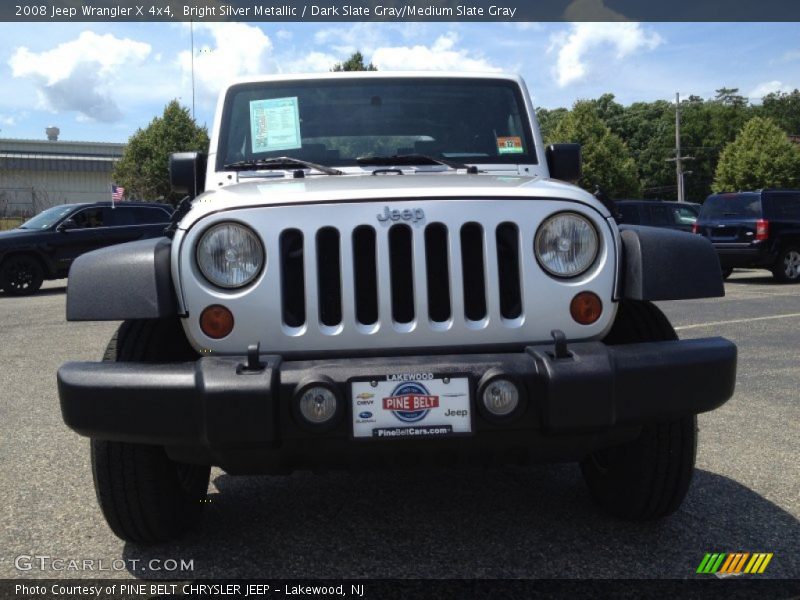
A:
x: 402, y: 277
x: 473, y: 271
x: 507, y: 236
x: 329, y: 276
x: 366, y: 275
x: 438, y: 275
x: 293, y: 288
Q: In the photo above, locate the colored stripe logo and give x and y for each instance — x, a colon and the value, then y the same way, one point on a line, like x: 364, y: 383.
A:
x: 733, y: 563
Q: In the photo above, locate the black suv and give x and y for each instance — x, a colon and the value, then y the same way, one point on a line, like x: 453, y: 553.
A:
x: 658, y: 213
x: 755, y: 229
x: 45, y: 246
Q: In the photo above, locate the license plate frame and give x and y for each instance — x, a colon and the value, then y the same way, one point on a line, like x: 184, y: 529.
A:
x: 441, y: 406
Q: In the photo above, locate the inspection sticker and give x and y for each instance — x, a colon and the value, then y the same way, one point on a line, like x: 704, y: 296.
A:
x: 509, y: 145
x: 275, y: 125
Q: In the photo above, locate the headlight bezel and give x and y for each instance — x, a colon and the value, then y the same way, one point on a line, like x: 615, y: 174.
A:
x: 204, y: 235
x: 588, y: 265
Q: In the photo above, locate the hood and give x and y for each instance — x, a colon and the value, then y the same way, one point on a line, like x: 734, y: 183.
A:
x: 10, y: 236
x: 356, y: 188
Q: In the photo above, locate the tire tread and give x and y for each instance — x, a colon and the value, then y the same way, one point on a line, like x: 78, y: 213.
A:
x: 138, y: 487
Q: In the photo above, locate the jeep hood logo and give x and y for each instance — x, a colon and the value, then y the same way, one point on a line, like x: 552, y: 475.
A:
x: 408, y: 214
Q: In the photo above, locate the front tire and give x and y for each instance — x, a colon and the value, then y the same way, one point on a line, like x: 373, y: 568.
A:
x: 21, y: 275
x: 647, y: 478
x: 787, y: 267
x: 145, y: 496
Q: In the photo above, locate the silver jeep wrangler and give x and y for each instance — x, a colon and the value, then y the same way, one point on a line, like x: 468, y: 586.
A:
x: 382, y: 269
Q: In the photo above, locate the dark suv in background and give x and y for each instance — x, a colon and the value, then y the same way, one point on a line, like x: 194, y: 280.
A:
x: 755, y: 229
x: 45, y: 246
x: 658, y: 213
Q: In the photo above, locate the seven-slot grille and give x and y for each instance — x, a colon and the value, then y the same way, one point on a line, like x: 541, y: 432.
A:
x: 340, y: 278
x: 401, y: 262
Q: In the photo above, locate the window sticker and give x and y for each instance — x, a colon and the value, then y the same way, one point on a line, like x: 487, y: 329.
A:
x: 509, y: 145
x: 275, y: 125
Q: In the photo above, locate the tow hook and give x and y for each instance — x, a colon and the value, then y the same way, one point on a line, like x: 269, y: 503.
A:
x: 560, y: 345
x: 254, y: 365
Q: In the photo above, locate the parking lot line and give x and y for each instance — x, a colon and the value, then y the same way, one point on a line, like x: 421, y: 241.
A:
x: 733, y: 321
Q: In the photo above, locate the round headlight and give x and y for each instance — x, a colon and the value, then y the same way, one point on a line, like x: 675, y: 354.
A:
x: 230, y: 255
x: 566, y: 244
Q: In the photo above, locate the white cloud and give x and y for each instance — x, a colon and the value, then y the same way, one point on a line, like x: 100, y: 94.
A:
x: 364, y: 37
x: 283, y: 34
x: 10, y: 121
x: 238, y: 50
x: 443, y: 55
x: 768, y: 87
x: 80, y: 75
x: 313, y: 62
x: 584, y: 41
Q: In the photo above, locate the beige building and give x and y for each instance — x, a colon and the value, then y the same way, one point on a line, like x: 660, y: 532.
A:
x: 37, y: 174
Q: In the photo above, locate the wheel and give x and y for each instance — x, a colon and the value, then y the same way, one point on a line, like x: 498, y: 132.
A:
x: 20, y: 275
x: 145, y: 496
x: 726, y: 273
x: 649, y: 477
x: 787, y: 267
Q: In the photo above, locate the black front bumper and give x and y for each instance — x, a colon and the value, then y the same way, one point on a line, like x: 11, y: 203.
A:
x: 213, y: 411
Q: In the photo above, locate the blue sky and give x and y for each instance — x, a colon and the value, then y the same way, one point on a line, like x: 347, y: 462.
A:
x: 102, y: 81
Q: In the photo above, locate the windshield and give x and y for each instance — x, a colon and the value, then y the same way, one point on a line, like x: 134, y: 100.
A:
x: 335, y: 121
x: 47, y: 218
x: 747, y: 205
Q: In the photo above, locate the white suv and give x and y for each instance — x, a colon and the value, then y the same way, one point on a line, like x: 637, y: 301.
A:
x: 375, y: 269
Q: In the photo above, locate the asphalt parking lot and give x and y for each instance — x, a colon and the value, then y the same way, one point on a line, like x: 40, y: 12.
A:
x: 506, y: 522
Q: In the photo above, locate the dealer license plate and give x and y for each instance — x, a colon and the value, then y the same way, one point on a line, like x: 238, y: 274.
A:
x: 411, y: 405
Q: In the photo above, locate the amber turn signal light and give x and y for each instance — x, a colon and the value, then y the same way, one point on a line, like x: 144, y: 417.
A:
x: 216, y: 321
x: 586, y: 308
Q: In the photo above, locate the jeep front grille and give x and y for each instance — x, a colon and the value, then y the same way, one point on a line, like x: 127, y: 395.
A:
x: 337, y: 279
x: 402, y: 257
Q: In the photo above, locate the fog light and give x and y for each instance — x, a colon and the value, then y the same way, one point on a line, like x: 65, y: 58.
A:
x: 317, y: 404
x: 586, y: 308
x: 216, y: 321
x: 500, y: 397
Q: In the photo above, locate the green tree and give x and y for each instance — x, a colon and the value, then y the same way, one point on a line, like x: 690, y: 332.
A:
x: 761, y: 156
x: 549, y: 119
x: 143, y: 169
x: 784, y: 109
x: 607, y: 162
x: 354, y: 63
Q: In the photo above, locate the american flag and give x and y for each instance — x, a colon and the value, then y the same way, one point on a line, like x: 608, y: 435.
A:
x: 117, y: 192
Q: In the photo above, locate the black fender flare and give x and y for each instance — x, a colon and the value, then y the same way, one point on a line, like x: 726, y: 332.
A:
x: 663, y: 264
x: 125, y: 281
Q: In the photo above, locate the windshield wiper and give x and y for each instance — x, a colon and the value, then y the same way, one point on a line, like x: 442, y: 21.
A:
x: 278, y: 163
x: 411, y: 159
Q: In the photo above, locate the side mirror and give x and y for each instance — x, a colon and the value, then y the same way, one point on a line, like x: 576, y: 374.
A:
x: 67, y: 224
x: 564, y: 162
x: 187, y: 172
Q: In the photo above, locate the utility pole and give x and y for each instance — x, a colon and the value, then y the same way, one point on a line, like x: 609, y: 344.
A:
x: 678, y: 158
x: 191, y: 33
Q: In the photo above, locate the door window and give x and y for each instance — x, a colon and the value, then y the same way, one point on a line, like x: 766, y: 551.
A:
x: 90, y: 218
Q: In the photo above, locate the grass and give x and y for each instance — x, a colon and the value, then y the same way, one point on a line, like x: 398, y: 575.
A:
x: 9, y: 223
